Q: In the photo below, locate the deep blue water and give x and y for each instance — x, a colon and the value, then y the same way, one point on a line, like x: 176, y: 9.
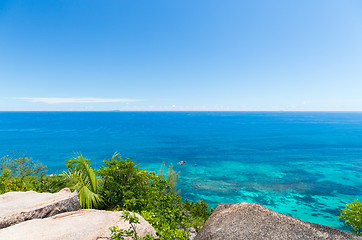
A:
x: 304, y: 164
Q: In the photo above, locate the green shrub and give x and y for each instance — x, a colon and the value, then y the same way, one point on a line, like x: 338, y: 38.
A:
x: 51, y: 184
x: 21, y: 166
x: 24, y: 174
x: 21, y: 174
x: 199, y: 212
x: 154, y: 196
x: 352, y: 217
x: 9, y: 183
x: 124, y: 184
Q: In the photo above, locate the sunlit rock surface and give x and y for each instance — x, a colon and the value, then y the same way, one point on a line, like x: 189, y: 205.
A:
x: 16, y: 207
x: 85, y: 224
x: 253, y: 221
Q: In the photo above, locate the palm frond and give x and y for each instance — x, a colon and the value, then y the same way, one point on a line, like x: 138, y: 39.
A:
x: 85, y: 181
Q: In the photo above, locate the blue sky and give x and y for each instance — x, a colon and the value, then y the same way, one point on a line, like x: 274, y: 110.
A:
x: 181, y: 55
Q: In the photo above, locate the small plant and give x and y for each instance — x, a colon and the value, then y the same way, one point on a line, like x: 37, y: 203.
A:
x: 352, y: 216
x: 85, y: 181
x: 120, y: 234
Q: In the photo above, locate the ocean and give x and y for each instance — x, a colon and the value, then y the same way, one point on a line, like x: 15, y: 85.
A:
x: 304, y: 164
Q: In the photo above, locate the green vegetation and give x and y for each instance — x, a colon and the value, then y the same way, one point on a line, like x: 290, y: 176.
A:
x: 119, y: 184
x: 23, y: 174
x: 125, y: 185
x: 120, y: 234
x: 151, y: 195
x: 352, y: 217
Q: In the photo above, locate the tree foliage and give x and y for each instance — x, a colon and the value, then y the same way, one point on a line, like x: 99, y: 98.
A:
x: 352, y: 216
x: 24, y: 174
x: 21, y: 166
x: 124, y: 183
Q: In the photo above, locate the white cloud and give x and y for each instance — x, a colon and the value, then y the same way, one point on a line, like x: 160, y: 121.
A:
x: 76, y: 100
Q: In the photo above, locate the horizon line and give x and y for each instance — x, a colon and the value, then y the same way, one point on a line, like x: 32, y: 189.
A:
x: 180, y: 110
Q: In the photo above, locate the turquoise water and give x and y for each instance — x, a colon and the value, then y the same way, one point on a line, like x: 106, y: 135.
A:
x: 304, y: 164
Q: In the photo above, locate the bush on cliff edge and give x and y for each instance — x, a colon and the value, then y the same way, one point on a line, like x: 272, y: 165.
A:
x: 352, y: 216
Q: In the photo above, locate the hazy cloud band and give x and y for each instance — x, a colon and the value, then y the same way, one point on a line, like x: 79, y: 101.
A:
x: 76, y: 100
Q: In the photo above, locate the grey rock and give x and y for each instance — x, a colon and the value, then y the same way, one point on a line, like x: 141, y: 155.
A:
x: 85, y: 224
x: 192, y: 232
x: 16, y: 207
x: 253, y: 221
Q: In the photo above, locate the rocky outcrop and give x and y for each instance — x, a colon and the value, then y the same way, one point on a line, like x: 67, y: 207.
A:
x: 191, y: 232
x: 253, y: 221
x: 85, y: 224
x: 16, y: 207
